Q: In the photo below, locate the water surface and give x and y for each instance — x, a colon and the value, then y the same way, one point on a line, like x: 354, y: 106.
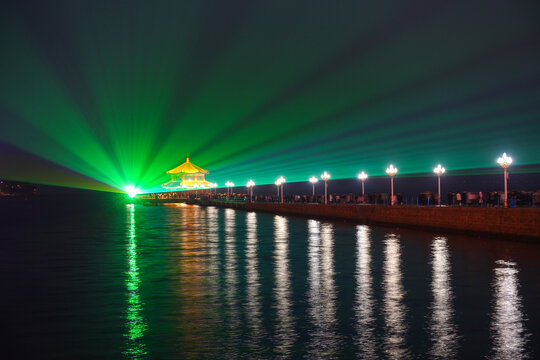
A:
x: 174, y: 281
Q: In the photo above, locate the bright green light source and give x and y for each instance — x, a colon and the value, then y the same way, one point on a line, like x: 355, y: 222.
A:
x: 132, y: 191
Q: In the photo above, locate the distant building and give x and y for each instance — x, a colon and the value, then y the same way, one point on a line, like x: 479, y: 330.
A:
x: 188, y: 176
x: 12, y: 188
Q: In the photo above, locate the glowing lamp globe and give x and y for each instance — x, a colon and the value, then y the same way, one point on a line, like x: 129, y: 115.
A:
x: 250, y: 183
x: 362, y: 176
x: 313, y: 179
x: 505, y: 161
x: 325, y: 176
x: 391, y: 170
x: 439, y: 170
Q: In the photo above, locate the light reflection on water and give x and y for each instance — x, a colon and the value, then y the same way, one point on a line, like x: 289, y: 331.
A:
x: 253, y: 297
x: 508, y: 332
x: 135, y: 323
x: 284, y: 331
x: 169, y: 282
x: 194, y: 287
x: 364, y: 302
x: 231, y: 281
x: 212, y: 236
x: 324, y: 343
x: 394, y: 310
x: 213, y: 303
x: 442, y: 327
x: 226, y: 293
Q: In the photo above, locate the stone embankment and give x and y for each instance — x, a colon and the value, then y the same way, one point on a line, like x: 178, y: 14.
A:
x: 514, y: 223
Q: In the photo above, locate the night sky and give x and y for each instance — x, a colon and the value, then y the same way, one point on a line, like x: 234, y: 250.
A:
x: 102, y: 94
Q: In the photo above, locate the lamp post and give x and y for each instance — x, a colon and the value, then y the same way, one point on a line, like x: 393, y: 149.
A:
x: 391, y: 170
x: 362, y: 176
x: 228, y: 184
x: 281, y: 182
x: 505, y: 161
x: 313, y: 180
x: 250, y: 184
x: 277, y: 183
x: 325, y: 176
x: 439, y: 170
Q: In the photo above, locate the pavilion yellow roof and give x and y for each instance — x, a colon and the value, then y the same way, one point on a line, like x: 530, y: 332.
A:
x: 187, y: 168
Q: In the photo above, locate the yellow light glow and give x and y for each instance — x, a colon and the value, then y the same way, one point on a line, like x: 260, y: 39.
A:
x: 505, y: 161
x: 439, y: 170
x: 325, y: 176
x: 391, y: 170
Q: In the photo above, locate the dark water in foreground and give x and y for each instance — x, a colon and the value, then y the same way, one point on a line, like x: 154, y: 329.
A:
x: 112, y: 281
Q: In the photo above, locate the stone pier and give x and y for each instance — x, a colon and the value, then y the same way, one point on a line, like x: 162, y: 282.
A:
x: 516, y: 223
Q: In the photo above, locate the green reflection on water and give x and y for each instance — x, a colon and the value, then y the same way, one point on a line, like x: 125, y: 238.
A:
x: 135, y: 324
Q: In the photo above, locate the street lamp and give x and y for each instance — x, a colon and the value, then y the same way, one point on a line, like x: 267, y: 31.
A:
x: 505, y: 161
x: 277, y: 183
x: 325, y: 176
x: 313, y: 180
x: 362, y: 176
x: 439, y: 170
x: 281, y: 182
x: 229, y: 184
x: 250, y: 184
x: 391, y: 170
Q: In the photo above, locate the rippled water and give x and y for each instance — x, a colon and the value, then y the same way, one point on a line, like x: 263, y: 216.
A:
x: 193, y: 282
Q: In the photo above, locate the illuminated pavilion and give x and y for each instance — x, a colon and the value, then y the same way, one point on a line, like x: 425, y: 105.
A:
x: 188, y: 176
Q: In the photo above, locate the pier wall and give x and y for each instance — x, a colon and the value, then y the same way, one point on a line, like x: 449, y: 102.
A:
x: 489, y: 221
